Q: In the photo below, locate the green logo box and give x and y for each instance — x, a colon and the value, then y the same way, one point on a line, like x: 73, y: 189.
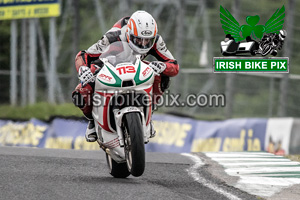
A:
x: 246, y: 64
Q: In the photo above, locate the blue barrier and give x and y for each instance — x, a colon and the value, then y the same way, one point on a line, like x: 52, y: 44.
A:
x: 198, y: 136
x: 230, y: 135
x: 174, y: 134
x: 30, y: 134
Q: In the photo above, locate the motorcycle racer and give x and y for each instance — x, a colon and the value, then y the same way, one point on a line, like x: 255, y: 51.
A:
x: 140, y: 31
x: 277, y: 39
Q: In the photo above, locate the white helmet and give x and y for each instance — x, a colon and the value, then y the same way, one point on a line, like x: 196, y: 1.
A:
x: 141, y: 31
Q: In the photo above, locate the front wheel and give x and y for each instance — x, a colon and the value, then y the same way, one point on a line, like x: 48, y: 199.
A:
x: 134, y: 144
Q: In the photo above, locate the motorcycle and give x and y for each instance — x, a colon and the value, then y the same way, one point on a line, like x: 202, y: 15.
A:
x: 122, y: 121
x: 268, y: 46
x: 229, y: 47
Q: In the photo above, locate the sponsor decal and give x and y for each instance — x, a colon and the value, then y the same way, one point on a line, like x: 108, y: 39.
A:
x: 146, y: 33
x: 136, y: 77
x: 126, y: 69
x: 146, y: 71
x: 118, y: 80
x: 105, y: 77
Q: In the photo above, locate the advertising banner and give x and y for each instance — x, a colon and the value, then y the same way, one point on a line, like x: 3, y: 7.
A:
x: 278, y: 135
x: 177, y: 134
x: 294, y: 147
x: 68, y: 134
x: 173, y: 134
x: 230, y: 135
x: 30, y: 134
x: 17, y: 9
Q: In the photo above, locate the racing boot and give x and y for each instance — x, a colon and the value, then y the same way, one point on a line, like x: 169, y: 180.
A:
x: 90, y: 134
x: 152, y: 131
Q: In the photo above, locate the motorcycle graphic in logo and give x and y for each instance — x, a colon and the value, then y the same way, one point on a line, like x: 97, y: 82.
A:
x: 260, y: 39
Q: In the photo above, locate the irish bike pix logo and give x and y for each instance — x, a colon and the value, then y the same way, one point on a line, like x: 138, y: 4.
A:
x: 252, y: 47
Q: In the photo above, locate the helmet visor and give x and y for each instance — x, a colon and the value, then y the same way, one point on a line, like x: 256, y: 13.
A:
x: 142, y: 43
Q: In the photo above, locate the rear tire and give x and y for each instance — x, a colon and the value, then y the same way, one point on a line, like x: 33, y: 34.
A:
x: 134, y: 144
x: 117, y: 170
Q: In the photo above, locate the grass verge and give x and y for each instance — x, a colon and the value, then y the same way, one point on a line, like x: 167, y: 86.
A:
x: 294, y: 157
x: 42, y: 111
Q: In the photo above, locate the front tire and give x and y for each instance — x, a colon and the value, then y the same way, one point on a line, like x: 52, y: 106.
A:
x: 274, y: 53
x: 134, y: 144
x: 117, y: 170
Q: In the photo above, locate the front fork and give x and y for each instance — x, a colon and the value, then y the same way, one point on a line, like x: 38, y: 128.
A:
x: 118, y: 114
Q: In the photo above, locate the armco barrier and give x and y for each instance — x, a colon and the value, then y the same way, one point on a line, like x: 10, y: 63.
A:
x: 173, y: 134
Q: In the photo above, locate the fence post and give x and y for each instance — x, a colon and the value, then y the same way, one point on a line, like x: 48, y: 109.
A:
x: 13, y: 62
x: 230, y: 77
x: 179, y: 37
x: 52, y: 60
x: 32, y: 61
x: 75, y: 44
x: 284, y: 84
x: 24, y: 62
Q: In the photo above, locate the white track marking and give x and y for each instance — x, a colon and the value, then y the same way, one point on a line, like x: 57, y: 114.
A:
x: 255, y: 170
x: 245, y: 155
x: 249, y: 164
x: 265, y: 186
x: 260, y: 174
x: 251, y: 159
x: 278, y: 175
x: 193, y: 172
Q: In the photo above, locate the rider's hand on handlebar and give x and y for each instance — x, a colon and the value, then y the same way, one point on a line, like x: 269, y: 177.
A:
x: 85, y: 75
x: 158, y: 67
x: 96, y: 66
x: 95, y: 69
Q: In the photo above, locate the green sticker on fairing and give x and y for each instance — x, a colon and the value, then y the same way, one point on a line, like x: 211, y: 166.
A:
x: 118, y: 80
x: 137, y: 76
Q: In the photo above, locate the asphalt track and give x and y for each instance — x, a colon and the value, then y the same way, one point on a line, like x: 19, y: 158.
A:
x: 28, y: 173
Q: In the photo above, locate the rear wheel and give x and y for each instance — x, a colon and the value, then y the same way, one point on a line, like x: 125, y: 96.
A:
x: 117, y: 170
x: 134, y: 144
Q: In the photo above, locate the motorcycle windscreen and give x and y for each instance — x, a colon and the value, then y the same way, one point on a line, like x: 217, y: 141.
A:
x: 119, y: 52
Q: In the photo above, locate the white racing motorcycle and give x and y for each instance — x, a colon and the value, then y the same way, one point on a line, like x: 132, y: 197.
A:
x: 122, y: 109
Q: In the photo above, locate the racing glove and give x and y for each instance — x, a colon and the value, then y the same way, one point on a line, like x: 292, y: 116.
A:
x: 158, y: 67
x: 85, y: 75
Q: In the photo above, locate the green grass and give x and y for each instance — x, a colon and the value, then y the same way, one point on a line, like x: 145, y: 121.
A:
x: 294, y: 157
x: 42, y: 111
